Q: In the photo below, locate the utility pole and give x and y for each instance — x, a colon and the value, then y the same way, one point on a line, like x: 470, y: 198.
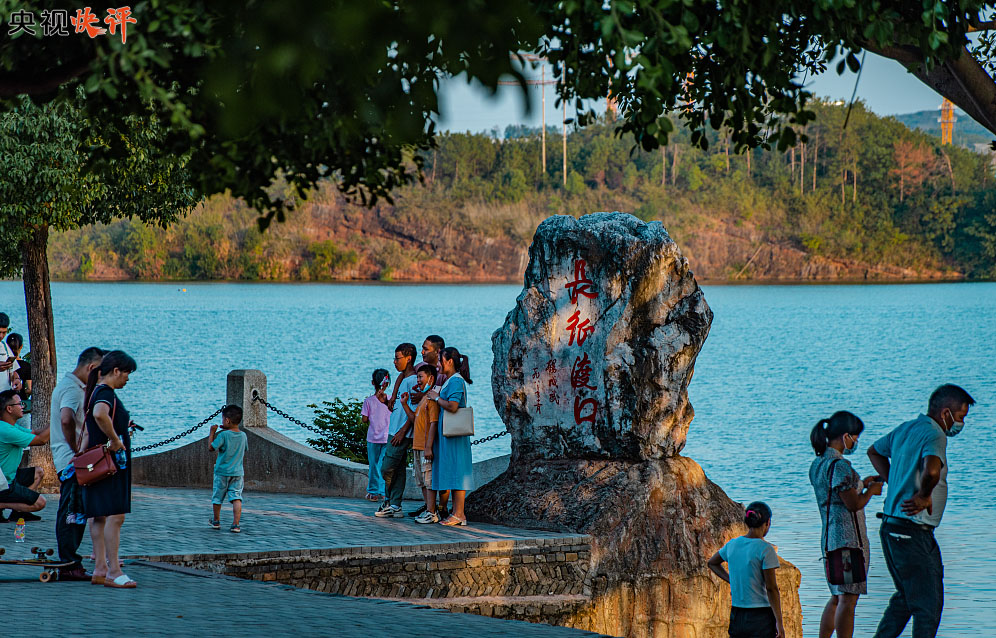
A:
x: 542, y: 82
x: 543, y: 130
x: 564, y: 102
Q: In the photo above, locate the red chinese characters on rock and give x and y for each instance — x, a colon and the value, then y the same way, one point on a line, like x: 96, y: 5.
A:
x: 581, y: 373
x: 585, y: 407
x: 581, y: 284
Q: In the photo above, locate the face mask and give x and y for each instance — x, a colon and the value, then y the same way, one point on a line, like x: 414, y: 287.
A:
x: 426, y: 387
x: 850, y: 450
x: 956, y: 427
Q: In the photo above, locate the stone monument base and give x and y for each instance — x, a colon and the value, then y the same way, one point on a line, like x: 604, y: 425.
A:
x: 653, y: 524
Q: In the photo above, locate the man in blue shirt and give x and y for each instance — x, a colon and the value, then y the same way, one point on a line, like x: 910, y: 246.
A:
x: 394, y: 464
x: 912, y: 459
x: 20, y: 495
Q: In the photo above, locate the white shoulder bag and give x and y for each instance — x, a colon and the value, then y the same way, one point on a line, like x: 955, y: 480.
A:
x: 461, y: 422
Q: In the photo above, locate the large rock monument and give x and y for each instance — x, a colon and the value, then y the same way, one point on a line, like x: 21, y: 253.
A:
x: 590, y: 376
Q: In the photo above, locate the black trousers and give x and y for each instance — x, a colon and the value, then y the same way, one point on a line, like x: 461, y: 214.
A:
x: 914, y: 561
x: 69, y: 536
x: 752, y: 622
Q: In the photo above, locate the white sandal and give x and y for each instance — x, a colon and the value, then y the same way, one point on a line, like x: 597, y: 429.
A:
x: 121, y: 582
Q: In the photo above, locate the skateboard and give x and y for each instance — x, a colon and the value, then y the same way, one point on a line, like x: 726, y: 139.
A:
x: 50, y: 568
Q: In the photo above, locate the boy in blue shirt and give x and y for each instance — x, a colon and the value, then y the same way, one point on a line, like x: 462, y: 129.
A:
x: 231, y: 444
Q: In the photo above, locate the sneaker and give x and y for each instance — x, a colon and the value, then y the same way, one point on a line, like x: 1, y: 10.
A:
x: 27, y: 516
x: 392, y: 511
x: 427, y: 518
x: 418, y: 512
x: 215, y: 524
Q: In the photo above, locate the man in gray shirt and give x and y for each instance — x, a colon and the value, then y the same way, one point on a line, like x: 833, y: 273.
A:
x: 913, y: 461
x: 65, y: 427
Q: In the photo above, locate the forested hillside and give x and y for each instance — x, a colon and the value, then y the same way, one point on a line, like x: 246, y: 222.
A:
x: 873, y: 200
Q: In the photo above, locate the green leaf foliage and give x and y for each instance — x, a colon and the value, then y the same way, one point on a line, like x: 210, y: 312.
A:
x: 343, y: 432
x: 348, y: 90
x: 65, y: 171
x: 916, y: 205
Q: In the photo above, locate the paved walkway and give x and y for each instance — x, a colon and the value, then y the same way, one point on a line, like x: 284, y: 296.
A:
x: 174, y: 601
x: 177, y: 602
x: 175, y: 521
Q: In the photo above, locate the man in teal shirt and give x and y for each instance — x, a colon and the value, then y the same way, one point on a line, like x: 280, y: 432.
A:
x: 913, y: 460
x: 19, y: 495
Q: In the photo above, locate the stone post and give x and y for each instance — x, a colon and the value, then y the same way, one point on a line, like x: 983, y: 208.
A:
x: 243, y: 385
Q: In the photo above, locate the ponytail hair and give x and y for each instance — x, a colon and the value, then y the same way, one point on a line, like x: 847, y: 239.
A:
x: 381, y: 378
x: 757, y: 514
x: 461, y: 362
x: 836, y: 426
x: 114, y: 359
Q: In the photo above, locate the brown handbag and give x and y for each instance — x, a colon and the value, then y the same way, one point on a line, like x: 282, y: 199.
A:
x: 844, y: 565
x: 96, y: 463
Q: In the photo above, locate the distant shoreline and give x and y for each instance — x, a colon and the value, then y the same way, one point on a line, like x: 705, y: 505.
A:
x: 500, y: 282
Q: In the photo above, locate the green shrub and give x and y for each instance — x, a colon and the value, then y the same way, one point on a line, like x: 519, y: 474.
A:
x: 343, y: 432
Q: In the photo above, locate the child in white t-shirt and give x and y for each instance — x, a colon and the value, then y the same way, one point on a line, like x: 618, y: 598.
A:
x: 757, y: 610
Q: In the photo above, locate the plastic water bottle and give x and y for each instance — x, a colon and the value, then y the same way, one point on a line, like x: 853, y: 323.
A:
x: 19, y: 531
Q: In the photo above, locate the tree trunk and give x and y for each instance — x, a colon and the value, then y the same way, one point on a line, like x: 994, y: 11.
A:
x: 663, y: 165
x: 674, y: 166
x: 802, y: 168
x: 816, y: 159
x: 41, y: 338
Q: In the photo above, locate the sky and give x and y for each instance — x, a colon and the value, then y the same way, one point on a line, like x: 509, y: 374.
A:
x: 885, y: 87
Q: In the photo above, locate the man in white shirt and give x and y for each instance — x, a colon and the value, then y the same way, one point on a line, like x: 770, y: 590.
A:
x: 66, y: 423
x: 8, y: 362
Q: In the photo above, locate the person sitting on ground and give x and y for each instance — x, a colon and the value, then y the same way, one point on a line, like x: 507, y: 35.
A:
x: 21, y: 495
x: 424, y: 418
x: 16, y: 344
x: 231, y: 444
x: 377, y: 416
x: 395, y: 462
x: 757, y: 610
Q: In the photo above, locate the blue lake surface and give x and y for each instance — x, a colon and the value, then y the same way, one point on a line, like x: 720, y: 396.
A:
x: 778, y: 358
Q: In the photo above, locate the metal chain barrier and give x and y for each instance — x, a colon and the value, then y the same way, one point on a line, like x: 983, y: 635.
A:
x: 311, y: 428
x: 178, y: 436
x: 490, y: 438
x: 273, y: 408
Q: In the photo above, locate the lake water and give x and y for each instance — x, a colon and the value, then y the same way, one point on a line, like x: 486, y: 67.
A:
x: 778, y: 359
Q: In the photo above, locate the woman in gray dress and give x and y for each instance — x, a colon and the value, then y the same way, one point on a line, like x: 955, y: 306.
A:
x: 845, y: 525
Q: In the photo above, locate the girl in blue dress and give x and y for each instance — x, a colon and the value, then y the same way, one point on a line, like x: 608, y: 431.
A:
x: 452, y: 464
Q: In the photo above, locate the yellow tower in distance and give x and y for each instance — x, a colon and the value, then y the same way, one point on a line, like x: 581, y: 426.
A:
x: 947, y: 121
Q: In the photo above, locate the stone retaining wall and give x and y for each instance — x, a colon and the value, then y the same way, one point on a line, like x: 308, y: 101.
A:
x: 556, y: 567
x: 277, y: 463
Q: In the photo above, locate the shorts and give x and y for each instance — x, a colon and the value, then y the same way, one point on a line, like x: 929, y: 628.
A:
x: 752, y: 622
x: 18, y: 491
x: 227, y: 488
x: 422, y: 469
